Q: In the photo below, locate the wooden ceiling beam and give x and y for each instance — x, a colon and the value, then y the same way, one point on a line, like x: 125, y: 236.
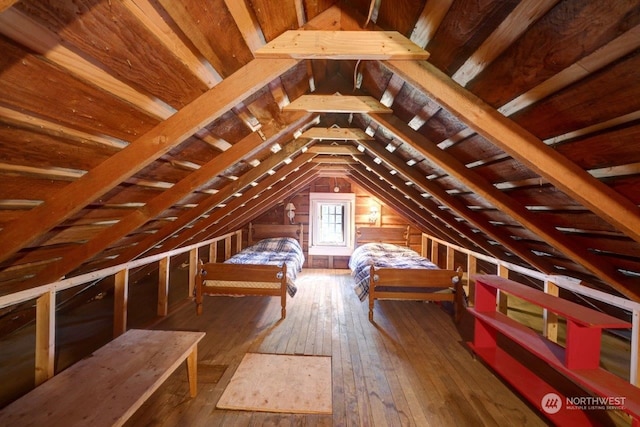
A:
x: 18, y: 26
x: 190, y: 217
x: 334, y: 170
x: 336, y: 134
x: 6, y: 4
x: 280, y: 191
x: 238, y: 206
x: 446, y: 217
x: 480, y: 186
x: 342, y: 45
x: 616, y: 209
x: 180, y: 15
x: 284, y: 190
x: 478, y: 220
x: 337, y: 104
x: 140, y: 153
x: 429, y: 20
x: 335, y: 150
x: 154, y: 207
x: 157, y: 25
x: 402, y: 205
x: 513, y: 26
x: 335, y: 160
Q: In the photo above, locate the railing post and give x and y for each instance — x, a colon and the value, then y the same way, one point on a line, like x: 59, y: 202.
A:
x: 503, y: 300
x: 238, y: 241
x: 451, y: 255
x: 424, y: 247
x: 434, y: 253
x: 45, y: 336
x: 550, y: 319
x: 120, y: 300
x: 163, y: 286
x: 213, y: 252
x: 227, y: 248
x: 193, y: 270
x: 472, y: 268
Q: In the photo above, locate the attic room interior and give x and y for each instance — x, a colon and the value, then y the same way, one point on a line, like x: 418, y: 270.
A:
x: 145, y: 144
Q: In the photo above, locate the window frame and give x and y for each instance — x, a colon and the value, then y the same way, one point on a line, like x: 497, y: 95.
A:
x: 348, y: 201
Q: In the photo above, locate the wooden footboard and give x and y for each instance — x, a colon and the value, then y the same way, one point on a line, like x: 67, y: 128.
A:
x: 241, y: 279
x: 416, y: 284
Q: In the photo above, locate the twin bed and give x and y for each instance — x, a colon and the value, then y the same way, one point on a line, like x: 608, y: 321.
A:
x: 385, y: 267
x: 267, y: 267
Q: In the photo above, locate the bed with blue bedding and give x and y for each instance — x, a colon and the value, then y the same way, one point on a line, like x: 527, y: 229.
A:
x: 384, y: 270
x: 268, y: 267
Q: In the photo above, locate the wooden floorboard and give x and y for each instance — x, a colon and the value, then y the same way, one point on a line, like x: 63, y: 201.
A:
x: 410, y: 368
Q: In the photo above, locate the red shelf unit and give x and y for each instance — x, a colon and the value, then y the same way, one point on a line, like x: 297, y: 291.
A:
x: 579, y: 361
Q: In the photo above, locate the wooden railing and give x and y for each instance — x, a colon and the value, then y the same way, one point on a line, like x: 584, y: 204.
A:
x: 552, y: 284
x: 45, y: 295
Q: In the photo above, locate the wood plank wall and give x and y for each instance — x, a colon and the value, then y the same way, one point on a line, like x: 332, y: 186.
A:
x: 387, y: 216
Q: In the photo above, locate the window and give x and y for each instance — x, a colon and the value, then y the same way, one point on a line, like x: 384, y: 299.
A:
x: 331, y: 223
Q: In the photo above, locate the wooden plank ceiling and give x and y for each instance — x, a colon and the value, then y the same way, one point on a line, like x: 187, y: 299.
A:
x: 134, y: 126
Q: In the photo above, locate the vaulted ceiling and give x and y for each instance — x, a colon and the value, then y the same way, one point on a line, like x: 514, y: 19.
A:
x: 134, y: 126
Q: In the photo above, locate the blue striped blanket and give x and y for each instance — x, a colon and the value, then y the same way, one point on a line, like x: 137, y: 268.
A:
x: 274, y: 251
x: 382, y: 255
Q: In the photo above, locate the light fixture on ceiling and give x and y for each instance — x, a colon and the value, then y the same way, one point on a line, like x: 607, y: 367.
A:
x: 336, y: 188
x: 290, y: 208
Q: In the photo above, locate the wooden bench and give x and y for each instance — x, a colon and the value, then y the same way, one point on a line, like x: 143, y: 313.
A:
x: 107, y: 387
x: 579, y: 361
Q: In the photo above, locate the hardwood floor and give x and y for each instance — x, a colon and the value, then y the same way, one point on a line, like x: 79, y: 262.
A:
x: 409, y: 369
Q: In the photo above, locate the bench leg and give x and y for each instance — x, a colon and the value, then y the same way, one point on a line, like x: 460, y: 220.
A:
x: 192, y: 371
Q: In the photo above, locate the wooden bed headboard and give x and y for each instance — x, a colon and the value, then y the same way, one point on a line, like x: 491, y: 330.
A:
x: 395, y: 235
x: 258, y: 232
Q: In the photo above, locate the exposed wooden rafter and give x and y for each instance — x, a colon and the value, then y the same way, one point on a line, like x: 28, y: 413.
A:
x: 335, y: 150
x: 335, y: 134
x: 140, y: 153
x: 415, y: 193
x: 499, y: 234
x: 421, y: 212
x: 204, y: 207
x: 281, y: 191
x: 522, y: 145
x: 401, y: 205
x: 503, y: 202
x: 335, y: 160
x: 235, y: 209
x: 337, y: 104
x: 106, y: 148
x: 356, y: 45
x: 6, y: 4
x: 74, y: 258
